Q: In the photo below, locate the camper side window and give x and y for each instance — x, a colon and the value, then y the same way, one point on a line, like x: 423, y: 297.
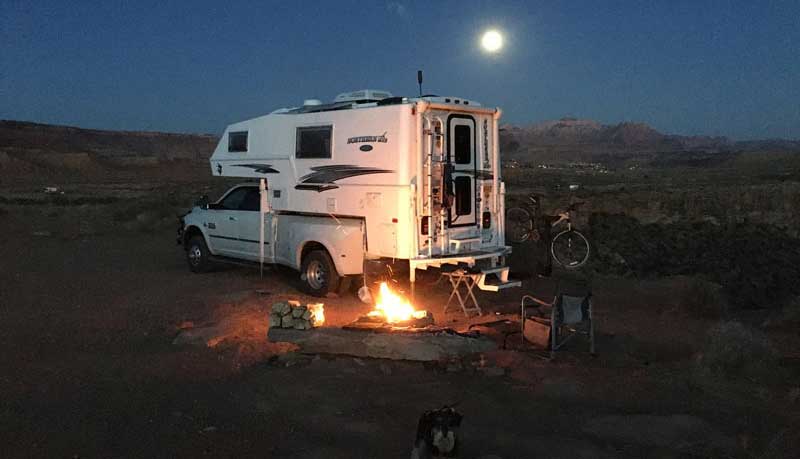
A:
x: 313, y: 142
x: 237, y: 142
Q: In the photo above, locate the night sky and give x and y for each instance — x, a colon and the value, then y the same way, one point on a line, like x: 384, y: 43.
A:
x: 686, y: 67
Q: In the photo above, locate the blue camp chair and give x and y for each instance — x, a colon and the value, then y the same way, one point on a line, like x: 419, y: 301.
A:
x: 569, y: 316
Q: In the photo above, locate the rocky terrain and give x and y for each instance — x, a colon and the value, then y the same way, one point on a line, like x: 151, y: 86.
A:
x: 38, y: 153
x: 657, y: 204
x: 662, y: 205
x: 571, y: 139
x: 119, y: 351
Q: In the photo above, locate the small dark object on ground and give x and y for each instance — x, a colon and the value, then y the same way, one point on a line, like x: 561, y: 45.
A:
x: 437, y: 434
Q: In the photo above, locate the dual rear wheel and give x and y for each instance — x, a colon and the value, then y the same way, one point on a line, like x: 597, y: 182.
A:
x: 317, y: 271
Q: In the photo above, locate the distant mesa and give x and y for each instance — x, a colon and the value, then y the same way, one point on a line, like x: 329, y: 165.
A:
x: 48, y: 152
x: 589, y: 136
x: 30, y: 151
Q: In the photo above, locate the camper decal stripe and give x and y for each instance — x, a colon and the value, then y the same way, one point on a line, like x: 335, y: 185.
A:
x: 260, y: 168
x: 323, y: 177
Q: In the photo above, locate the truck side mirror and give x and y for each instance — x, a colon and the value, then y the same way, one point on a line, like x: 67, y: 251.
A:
x: 202, y: 202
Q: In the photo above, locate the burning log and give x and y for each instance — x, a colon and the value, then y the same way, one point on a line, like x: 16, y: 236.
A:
x: 296, y: 316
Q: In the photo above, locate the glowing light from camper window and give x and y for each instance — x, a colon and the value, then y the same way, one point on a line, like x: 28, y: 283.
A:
x: 491, y: 41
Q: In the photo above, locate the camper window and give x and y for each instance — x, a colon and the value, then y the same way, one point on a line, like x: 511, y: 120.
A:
x: 463, y: 147
x: 237, y: 142
x: 463, y: 195
x: 314, y: 142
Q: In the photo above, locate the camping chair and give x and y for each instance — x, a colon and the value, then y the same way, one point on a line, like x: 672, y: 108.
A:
x: 568, y: 315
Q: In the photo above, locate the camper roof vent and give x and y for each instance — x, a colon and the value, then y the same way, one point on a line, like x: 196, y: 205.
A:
x: 311, y: 102
x: 363, y: 95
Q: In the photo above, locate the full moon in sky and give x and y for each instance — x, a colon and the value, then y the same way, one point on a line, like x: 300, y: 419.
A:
x: 492, y: 41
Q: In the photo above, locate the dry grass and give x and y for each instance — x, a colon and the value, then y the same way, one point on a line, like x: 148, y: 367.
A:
x: 147, y: 215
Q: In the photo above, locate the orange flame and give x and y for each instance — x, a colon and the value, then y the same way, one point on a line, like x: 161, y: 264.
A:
x: 318, y: 310
x: 394, y: 308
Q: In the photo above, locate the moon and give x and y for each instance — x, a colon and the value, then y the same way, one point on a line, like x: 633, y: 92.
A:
x: 491, y: 41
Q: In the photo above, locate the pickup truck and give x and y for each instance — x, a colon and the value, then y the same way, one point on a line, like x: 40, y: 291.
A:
x: 327, y: 251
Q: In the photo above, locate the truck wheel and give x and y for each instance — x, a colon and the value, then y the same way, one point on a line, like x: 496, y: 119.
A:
x: 319, y: 273
x: 197, y: 255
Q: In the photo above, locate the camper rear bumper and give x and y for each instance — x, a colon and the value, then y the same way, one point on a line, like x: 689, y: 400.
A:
x: 469, y: 258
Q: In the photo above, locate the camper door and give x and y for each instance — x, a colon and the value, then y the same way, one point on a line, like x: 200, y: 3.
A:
x: 461, y: 158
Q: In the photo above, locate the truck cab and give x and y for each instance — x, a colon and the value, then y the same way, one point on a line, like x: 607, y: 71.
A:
x: 324, y: 250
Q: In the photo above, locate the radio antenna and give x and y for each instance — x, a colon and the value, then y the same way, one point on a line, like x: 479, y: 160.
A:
x: 419, y: 81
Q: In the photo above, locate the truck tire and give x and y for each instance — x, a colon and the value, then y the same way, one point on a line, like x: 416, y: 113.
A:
x: 197, y: 255
x: 318, y: 273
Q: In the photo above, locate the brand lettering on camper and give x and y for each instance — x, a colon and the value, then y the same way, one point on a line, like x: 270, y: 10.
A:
x: 485, y: 144
x: 368, y: 139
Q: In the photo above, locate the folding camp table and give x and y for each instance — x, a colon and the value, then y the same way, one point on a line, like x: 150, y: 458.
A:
x: 463, y: 282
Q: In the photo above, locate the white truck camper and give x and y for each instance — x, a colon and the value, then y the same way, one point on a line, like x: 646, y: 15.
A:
x: 369, y: 177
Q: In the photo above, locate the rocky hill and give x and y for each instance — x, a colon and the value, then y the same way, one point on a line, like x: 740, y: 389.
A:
x: 571, y: 139
x: 31, y: 151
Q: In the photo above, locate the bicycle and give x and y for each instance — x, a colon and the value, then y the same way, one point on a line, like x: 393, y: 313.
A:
x: 569, y: 247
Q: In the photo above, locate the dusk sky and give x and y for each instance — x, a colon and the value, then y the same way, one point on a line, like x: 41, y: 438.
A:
x: 685, y: 67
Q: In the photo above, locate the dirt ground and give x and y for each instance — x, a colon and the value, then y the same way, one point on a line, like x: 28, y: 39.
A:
x: 88, y: 319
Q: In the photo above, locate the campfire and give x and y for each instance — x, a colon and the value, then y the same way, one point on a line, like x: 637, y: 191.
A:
x: 392, y: 309
x: 394, y: 329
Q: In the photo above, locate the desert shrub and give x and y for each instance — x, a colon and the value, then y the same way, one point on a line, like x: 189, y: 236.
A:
x: 702, y: 298
x: 784, y: 444
x: 788, y: 318
x: 734, y: 350
x: 756, y: 265
x: 147, y: 214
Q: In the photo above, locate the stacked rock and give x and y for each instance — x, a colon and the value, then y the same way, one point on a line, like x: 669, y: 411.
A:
x: 292, y: 314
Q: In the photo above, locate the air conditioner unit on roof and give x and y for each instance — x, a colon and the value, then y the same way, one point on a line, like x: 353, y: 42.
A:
x: 363, y: 95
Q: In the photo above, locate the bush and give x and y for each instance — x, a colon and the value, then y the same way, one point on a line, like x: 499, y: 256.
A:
x: 788, y: 318
x: 702, y: 298
x: 756, y: 264
x: 783, y: 445
x: 733, y: 349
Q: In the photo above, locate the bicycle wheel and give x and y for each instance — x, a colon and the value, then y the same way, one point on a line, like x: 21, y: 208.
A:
x: 570, y: 249
x: 519, y: 225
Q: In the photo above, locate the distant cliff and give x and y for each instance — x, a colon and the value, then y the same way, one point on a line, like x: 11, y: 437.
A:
x: 577, y: 139
x: 32, y: 150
